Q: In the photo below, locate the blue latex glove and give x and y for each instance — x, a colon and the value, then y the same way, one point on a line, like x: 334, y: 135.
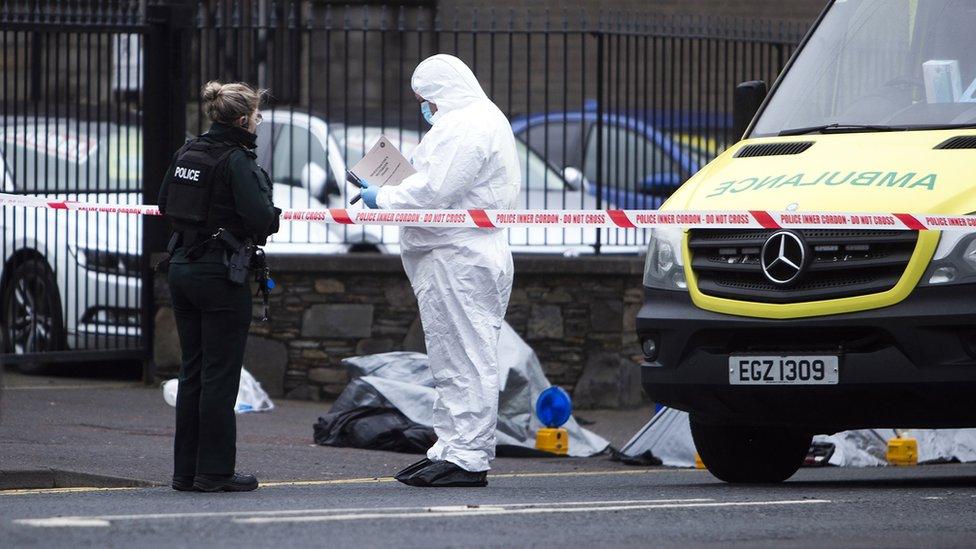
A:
x: 369, y: 193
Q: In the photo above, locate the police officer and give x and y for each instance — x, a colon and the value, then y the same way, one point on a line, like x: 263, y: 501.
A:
x: 219, y: 202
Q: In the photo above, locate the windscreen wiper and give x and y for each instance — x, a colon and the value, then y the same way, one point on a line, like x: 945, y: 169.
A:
x: 961, y: 126
x: 843, y: 128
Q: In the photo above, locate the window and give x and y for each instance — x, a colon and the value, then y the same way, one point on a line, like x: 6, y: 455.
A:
x: 292, y: 149
x: 535, y: 172
x: 263, y: 142
x: 72, y: 156
x: 557, y: 142
x: 629, y: 159
x: 881, y: 62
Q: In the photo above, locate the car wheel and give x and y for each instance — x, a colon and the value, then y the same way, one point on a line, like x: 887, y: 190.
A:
x: 32, y: 318
x: 739, y: 454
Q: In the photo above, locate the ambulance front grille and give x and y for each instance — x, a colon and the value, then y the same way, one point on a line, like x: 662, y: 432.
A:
x: 840, y: 263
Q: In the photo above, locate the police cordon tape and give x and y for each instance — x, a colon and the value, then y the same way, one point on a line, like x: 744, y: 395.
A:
x: 611, y: 219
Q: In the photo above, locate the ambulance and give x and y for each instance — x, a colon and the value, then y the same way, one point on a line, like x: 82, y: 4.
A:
x: 768, y: 337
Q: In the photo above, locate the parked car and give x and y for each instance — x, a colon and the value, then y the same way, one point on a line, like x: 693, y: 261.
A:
x: 305, y: 162
x: 641, y: 164
x: 72, y: 280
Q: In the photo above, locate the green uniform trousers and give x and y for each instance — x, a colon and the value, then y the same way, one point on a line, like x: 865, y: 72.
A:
x: 212, y: 318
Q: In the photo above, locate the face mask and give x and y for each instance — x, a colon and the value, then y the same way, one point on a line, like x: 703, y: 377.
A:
x: 425, y: 110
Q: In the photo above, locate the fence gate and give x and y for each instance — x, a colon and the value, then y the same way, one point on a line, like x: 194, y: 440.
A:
x: 71, y: 128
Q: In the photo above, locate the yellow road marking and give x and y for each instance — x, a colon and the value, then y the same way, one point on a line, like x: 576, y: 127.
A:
x: 59, y: 387
x: 360, y: 480
x: 366, y: 480
x: 31, y: 491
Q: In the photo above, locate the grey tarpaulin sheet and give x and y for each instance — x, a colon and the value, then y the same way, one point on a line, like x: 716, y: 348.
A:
x: 400, y: 382
x: 667, y: 436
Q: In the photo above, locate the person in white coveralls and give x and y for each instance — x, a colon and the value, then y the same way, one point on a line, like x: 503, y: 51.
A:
x: 462, y: 276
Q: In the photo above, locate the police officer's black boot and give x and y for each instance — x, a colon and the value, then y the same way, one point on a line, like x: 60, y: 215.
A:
x: 225, y: 483
x: 183, y: 483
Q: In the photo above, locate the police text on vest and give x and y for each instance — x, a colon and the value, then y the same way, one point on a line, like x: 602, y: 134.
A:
x: 187, y: 173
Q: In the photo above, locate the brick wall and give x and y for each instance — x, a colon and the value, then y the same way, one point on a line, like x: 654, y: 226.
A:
x: 577, y: 314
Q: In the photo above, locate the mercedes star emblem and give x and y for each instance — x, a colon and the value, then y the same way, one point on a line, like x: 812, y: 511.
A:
x: 783, y: 257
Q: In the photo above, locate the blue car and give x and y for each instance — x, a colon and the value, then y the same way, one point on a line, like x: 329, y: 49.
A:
x: 641, y: 165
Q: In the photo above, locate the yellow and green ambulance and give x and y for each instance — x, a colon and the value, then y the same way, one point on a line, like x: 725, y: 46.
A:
x: 768, y: 337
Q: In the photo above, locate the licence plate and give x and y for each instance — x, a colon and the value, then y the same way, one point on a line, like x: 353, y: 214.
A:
x: 783, y: 370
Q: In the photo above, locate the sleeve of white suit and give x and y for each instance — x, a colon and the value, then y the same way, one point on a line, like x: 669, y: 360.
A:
x: 456, y: 157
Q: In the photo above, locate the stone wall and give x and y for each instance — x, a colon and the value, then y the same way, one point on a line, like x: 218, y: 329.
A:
x: 577, y: 313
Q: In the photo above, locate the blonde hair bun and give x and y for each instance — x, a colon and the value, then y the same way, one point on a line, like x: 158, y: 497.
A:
x: 228, y: 102
x: 212, y: 90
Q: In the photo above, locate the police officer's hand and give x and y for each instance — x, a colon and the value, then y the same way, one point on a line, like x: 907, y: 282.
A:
x: 369, y: 193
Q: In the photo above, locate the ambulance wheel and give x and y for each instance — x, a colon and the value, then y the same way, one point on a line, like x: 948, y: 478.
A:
x: 31, y: 309
x: 743, y: 455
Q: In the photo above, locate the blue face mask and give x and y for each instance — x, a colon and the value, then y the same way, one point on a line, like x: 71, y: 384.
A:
x: 425, y: 110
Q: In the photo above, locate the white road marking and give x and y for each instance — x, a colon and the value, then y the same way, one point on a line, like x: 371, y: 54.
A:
x: 501, y: 510
x: 75, y: 522
x: 58, y: 521
x: 105, y: 520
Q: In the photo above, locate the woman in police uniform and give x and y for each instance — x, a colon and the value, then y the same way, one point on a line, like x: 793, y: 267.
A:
x: 214, y: 187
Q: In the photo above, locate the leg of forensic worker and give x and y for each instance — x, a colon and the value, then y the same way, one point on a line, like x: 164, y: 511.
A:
x: 188, y: 395
x: 226, y: 317
x: 463, y: 295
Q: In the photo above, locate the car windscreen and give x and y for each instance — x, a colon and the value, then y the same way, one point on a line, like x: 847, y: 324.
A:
x: 71, y: 157
x: 897, y: 63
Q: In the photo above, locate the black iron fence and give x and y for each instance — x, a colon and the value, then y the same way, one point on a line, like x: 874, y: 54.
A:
x: 612, y: 112
x: 609, y: 112
x: 71, y: 130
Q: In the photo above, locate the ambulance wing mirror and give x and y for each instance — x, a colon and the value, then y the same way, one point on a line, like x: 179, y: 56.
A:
x: 745, y: 104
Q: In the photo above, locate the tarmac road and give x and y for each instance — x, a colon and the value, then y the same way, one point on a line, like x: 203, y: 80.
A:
x: 327, y: 496
x: 908, y: 507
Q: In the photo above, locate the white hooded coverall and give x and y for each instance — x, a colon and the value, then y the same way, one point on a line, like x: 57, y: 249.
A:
x: 462, y: 277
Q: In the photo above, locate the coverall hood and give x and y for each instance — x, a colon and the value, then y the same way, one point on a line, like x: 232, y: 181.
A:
x: 447, y: 82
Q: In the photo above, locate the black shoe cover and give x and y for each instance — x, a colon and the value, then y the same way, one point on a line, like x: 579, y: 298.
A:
x: 411, y: 469
x: 446, y: 474
x: 225, y: 483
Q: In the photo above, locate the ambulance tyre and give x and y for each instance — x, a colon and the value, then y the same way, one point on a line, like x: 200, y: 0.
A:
x: 750, y: 455
x: 30, y: 313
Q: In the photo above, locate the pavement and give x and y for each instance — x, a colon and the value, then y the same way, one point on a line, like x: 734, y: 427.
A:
x: 124, y: 430
x: 315, y: 496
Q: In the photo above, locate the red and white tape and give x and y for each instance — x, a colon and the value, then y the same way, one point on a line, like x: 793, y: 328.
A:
x: 613, y: 219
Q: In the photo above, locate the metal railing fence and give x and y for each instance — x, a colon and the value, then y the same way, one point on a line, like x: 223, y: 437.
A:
x: 70, y: 129
x: 612, y: 112
x: 615, y: 111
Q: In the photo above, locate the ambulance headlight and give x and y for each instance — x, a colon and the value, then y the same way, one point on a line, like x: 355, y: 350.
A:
x: 664, y: 266
x: 954, y: 261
